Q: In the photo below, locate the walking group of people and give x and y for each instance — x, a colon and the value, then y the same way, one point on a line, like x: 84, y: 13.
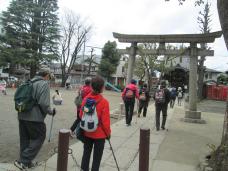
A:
x: 33, y: 109
x: 92, y: 115
x: 162, y: 98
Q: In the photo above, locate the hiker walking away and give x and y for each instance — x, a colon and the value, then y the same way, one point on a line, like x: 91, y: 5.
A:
x: 95, y: 139
x: 32, y: 129
x: 57, y: 98
x: 144, y: 98
x: 179, y: 96
x: 3, y: 86
x: 82, y: 93
x: 129, y: 94
x: 162, y: 98
x: 173, y: 95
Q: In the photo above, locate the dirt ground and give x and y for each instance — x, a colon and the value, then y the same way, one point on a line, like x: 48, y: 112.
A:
x: 9, y: 135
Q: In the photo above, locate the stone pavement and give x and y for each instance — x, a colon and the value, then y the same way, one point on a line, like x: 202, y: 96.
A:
x: 179, y: 148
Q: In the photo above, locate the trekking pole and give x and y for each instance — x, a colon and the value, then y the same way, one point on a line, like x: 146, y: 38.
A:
x: 49, y: 138
x: 113, y: 155
x: 111, y: 149
x: 137, y: 111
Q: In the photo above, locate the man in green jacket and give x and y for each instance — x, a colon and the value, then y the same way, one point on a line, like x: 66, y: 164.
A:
x: 32, y: 129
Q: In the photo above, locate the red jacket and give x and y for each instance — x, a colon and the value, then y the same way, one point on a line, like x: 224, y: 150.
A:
x: 86, y: 89
x: 103, y: 117
x: 133, y: 87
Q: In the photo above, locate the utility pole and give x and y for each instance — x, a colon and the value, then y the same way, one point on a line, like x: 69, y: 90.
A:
x: 82, y: 62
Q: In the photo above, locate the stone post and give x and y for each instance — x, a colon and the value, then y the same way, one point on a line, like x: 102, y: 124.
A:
x: 192, y: 115
x: 131, y: 62
x: 144, y: 149
x: 193, y: 78
x: 116, y: 81
x: 62, y: 159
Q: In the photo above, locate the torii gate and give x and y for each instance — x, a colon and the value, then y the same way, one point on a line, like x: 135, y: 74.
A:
x: 191, y: 115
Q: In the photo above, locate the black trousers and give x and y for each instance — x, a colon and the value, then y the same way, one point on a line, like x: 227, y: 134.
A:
x: 129, y: 109
x: 159, y: 108
x: 77, y: 120
x: 143, y: 105
x: 97, y: 153
x: 32, y: 136
x: 172, y: 102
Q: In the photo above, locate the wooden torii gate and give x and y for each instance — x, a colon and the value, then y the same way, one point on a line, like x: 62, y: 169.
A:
x: 191, y: 115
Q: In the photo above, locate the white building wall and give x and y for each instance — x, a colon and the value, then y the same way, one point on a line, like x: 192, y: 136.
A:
x: 119, y: 70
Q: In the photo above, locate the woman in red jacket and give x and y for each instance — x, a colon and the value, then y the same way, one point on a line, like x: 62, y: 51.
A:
x: 97, y: 138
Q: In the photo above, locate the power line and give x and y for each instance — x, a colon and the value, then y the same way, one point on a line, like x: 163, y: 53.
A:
x: 94, y: 47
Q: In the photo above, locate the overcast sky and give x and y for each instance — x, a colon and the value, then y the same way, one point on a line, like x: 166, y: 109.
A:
x: 143, y: 17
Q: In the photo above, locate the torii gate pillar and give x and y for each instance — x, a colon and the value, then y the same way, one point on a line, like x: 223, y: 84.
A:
x: 131, y: 61
x: 192, y: 115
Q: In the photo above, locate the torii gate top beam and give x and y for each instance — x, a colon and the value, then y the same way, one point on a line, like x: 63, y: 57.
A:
x: 169, y: 38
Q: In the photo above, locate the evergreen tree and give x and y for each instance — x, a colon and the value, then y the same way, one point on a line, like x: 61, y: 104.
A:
x: 109, y: 60
x: 30, y: 32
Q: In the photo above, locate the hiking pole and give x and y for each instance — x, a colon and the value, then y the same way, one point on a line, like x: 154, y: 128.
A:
x: 113, y: 154
x: 137, y: 111
x: 49, y: 138
x: 111, y: 148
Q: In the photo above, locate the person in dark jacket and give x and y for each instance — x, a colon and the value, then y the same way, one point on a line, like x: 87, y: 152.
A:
x: 129, y: 94
x: 144, y: 98
x: 162, y: 98
x: 173, y: 95
x: 96, y: 140
x: 32, y: 129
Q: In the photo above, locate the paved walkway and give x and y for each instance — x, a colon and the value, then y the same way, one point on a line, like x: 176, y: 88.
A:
x: 179, y: 148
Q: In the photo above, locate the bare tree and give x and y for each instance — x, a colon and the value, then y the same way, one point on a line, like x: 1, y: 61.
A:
x: 91, y: 61
x: 204, y: 24
x: 74, y: 34
x: 147, y: 63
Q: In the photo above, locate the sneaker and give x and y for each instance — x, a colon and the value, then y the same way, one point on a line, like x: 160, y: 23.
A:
x: 129, y: 124
x: 163, y: 128
x: 32, y: 165
x: 20, y: 165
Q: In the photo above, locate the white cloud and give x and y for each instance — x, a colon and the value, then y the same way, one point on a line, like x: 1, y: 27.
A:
x: 143, y: 17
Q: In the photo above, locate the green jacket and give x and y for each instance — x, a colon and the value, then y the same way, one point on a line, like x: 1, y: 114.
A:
x: 41, y: 93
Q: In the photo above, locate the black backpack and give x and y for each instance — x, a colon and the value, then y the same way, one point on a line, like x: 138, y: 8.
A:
x: 24, y: 101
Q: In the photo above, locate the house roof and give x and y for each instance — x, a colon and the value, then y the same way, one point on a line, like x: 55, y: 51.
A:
x: 178, y: 66
x: 212, y: 70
